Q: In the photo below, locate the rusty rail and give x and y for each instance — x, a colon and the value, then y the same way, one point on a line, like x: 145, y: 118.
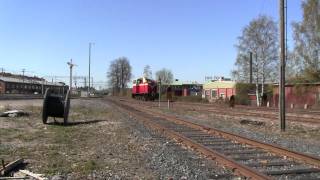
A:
x: 312, y: 160
x: 248, y: 112
x: 238, y: 168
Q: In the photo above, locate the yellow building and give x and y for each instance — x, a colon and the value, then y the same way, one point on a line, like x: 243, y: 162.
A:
x: 218, y: 89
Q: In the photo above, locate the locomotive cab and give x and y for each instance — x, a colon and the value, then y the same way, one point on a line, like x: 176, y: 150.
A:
x: 144, y: 89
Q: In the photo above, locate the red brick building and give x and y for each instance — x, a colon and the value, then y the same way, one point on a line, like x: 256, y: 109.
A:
x: 299, y: 95
x: 17, y: 85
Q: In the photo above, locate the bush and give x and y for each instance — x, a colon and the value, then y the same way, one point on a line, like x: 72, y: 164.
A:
x: 242, y: 100
x: 242, y: 90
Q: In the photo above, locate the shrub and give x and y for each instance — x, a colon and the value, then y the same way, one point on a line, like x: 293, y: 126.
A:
x: 242, y: 90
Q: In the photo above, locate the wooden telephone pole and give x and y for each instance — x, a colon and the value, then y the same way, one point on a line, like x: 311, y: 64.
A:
x: 250, y: 62
x: 282, y: 105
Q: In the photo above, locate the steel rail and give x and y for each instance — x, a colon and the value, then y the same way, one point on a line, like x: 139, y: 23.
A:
x: 237, y: 168
x: 308, y: 159
x: 249, y: 112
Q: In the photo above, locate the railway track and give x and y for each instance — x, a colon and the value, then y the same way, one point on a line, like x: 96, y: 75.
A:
x: 246, y: 157
x: 258, y: 111
x: 253, y: 108
x: 312, y: 118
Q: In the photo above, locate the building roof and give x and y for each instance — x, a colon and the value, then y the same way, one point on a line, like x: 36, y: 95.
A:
x: 28, y: 81
x: 180, y: 83
x: 219, y: 84
x: 293, y: 84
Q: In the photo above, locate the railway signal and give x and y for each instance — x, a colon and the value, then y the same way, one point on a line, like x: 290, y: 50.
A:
x: 71, y: 66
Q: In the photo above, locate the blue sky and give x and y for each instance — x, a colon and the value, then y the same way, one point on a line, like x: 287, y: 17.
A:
x: 193, y: 38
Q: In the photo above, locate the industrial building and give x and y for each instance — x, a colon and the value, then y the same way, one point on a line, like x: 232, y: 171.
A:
x: 184, y: 88
x: 218, y: 89
x: 299, y: 95
x: 28, y: 85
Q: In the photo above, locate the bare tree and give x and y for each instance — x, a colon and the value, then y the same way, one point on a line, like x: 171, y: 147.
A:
x: 261, y: 38
x: 147, y: 72
x: 307, y: 41
x: 293, y: 69
x: 119, y: 74
x: 165, y: 75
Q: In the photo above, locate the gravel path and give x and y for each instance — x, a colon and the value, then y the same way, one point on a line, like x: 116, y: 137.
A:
x: 299, y: 138
x: 170, y: 160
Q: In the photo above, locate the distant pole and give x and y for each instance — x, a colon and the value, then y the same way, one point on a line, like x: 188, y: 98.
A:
x: 71, y: 66
x: 89, y: 67
x: 159, y: 82
x: 250, y: 67
x: 42, y: 86
x: 282, y: 106
x: 317, y: 56
x: 75, y: 82
x: 23, y: 70
x: 92, y: 82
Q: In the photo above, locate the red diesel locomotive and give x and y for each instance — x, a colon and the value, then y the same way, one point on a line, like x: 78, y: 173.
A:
x: 144, y: 89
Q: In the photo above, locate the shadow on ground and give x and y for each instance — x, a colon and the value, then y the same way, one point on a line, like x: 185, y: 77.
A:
x: 74, y: 123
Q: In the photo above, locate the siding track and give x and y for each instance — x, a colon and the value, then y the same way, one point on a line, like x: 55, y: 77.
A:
x: 246, y: 157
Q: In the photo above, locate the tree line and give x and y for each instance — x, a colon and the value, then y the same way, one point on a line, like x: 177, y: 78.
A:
x: 260, y: 37
x: 120, y: 74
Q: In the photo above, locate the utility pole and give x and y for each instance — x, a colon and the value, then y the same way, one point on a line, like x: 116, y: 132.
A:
x: 317, y: 56
x: 91, y: 82
x: 250, y: 67
x: 282, y: 105
x: 75, y: 82
x: 23, y: 70
x: 71, y: 66
x: 42, y: 86
x: 89, y: 67
x: 159, y: 82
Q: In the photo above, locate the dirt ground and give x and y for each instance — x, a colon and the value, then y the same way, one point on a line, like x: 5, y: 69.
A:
x: 95, y: 140
x: 100, y: 142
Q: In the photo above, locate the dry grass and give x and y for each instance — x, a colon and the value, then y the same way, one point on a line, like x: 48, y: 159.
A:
x: 97, y: 140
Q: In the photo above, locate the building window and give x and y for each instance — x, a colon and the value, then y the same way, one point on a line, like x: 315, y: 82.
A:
x: 213, y: 93
x: 207, y: 92
x: 222, y: 95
